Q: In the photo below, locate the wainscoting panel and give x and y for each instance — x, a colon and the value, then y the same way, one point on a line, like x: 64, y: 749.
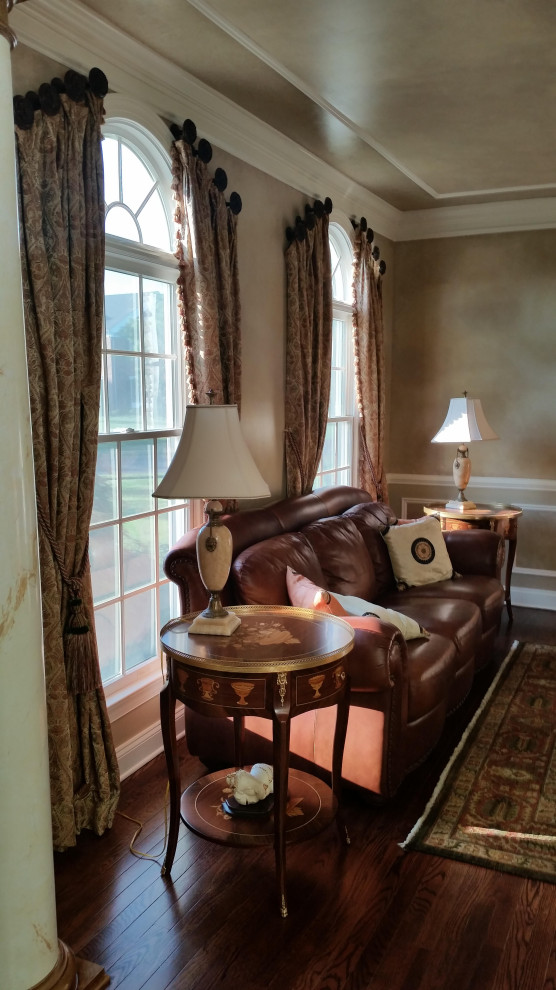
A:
x: 534, y: 573
x: 145, y: 745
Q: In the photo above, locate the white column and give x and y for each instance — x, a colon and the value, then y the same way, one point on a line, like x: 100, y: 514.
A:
x: 29, y: 948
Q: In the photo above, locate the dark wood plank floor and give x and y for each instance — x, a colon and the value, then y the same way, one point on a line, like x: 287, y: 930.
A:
x: 370, y: 917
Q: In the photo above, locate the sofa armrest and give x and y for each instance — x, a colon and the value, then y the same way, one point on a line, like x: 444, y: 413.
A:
x: 181, y: 567
x: 378, y: 658
x: 475, y: 551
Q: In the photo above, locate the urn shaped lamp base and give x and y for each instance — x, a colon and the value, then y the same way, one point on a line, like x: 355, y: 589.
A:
x: 461, y: 472
x: 214, y: 557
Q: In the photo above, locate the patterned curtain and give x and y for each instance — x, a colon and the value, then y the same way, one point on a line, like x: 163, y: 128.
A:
x: 61, y: 215
x: 308, y: 346
x: 208, y: 282
x: 368, y: 332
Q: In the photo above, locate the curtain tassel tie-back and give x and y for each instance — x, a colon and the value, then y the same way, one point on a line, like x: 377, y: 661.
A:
x: 80, y: 649
x: 82, y: 667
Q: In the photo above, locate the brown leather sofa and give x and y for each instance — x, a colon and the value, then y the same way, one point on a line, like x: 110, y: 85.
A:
x: 401, y: 691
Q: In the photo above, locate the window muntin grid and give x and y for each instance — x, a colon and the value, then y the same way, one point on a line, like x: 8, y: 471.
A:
x: 339, y: 455
x: 141, y: 413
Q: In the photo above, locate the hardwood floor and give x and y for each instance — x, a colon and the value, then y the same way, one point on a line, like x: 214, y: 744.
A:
x: 369, y: 917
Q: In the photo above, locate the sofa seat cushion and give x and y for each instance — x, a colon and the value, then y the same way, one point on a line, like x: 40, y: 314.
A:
x: 460, y: 622
x: 485, y: 592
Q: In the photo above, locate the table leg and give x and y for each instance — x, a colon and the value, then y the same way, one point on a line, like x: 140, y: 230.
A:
x: 512, y: 542
x: 281, y: 750
x: 168, y: 726
x: 342, y: 715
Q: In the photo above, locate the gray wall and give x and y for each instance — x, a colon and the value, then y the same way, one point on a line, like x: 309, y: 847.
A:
x: 479, y: 313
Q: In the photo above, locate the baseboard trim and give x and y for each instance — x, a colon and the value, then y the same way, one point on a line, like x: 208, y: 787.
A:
x: 534, y: 598
x: 143, y: 747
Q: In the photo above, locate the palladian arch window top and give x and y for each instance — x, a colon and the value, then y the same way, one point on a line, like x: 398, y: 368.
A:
x: 134, y: 207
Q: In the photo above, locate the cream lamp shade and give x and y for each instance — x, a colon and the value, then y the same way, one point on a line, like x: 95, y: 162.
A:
x: 213, y: 462
x: 465, y: 422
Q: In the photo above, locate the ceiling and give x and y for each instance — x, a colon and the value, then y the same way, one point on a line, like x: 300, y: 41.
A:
x: 425, y: 103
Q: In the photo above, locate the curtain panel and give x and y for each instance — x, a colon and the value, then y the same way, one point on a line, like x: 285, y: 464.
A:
x: 61, y: 216
x: 368, y: 331
x: 208, y: 281
x: 308, y: 350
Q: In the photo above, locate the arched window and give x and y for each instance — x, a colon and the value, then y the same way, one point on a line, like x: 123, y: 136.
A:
x: 339, y: 455
x: 141, y: 408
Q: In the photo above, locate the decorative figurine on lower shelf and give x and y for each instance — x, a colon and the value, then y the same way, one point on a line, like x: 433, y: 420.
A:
x: 249, y: 787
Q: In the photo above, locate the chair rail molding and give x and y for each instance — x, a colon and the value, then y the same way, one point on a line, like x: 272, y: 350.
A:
x: 532, y: 587
x: 479, y: 481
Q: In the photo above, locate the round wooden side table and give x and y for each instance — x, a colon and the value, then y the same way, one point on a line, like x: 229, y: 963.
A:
x: 279, y: 662
x: 501, y: 519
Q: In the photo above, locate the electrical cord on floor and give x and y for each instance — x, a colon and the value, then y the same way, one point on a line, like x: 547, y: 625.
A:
x: 135, y: 821
x: 139, y: 829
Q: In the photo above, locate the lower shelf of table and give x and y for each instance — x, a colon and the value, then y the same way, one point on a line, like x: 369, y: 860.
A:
x: 311, y: 807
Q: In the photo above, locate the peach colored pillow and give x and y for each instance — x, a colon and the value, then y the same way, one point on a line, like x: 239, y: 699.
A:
x: 304, y: 593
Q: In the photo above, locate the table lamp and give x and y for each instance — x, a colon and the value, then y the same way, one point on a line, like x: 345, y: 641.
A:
x: 213, y: 462
x: 465, y: 422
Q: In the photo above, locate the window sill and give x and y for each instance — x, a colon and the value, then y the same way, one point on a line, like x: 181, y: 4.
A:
x: 129, y: 693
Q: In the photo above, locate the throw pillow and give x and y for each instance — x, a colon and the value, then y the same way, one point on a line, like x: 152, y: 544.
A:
x: 418, y: 553
x: 350, y: 605
x: 305, y: 594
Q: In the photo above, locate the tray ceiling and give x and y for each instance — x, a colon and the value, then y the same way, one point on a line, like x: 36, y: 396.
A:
x: 424, y: 104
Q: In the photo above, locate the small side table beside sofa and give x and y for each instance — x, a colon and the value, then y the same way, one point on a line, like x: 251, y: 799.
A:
x: 281, y: 661
x: 501, y: 519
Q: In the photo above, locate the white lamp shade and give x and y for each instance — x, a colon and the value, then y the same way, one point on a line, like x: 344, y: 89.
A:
x: 212, y: 460
x: 465, y: 421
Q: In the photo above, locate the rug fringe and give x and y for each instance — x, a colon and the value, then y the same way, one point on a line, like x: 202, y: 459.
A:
x: 438, y: 789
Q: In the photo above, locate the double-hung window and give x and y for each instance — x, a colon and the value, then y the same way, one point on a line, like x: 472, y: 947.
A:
x: 141, y: 411
x: 339, y: 455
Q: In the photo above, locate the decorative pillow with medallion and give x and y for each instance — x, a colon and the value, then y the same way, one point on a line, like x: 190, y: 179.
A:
x: 418, y: 553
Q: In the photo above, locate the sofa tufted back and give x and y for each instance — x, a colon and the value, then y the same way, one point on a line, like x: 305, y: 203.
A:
x: 291, y: 531
x: 345, y: 554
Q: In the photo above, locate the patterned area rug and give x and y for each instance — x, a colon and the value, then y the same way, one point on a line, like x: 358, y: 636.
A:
x: 495, y: 804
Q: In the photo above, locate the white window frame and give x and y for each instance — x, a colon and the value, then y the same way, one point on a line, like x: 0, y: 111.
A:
x: 342, y: 311
x: 146, y: 134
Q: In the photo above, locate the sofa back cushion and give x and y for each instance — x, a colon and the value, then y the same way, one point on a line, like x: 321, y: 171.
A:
x: 343, y: 556
x: 372, y: 519
x: 259, y: 572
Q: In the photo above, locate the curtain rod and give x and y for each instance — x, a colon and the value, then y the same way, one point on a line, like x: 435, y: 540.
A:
x: 188, y: 133
x: 312, y: 213
x: 363, y: 227
x: 75, y: 84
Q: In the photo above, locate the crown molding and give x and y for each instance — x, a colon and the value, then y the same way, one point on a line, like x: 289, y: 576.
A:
x: 68, y: 32
x: 478, y: 218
